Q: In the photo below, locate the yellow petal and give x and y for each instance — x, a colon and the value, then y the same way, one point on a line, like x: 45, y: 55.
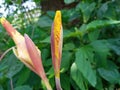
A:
x: 21, y: 47
x: 57, y: 25
x: 56, y: 42
x: 56, y: 46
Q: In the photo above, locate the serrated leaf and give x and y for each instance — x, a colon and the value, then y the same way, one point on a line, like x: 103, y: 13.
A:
x: 102, y: 10
x: 95, y: 24
x: 94, y: 35
x: 114, y: 44
x: 86, y: 9
x: 83, y: 58
x: 100, y: 45
x: 111, y: 76
x: 69, y: 46
x: 101, y: 50
x: 100, y: 23
x: 107, y: 10
x: 77, y: 76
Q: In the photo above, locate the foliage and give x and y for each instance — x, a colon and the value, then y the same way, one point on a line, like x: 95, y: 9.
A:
x: 91, y: 47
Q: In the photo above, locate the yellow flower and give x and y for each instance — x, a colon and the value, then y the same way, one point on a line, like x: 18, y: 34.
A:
x: 56, y: 46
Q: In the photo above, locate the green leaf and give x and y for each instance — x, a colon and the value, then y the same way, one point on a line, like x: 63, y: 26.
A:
x: 13, y: 65
x: 52, y: 81
x: 47, y: 62
x: 24, y: 76
x: 3, y: 78
x: 100, y: 45
x: 114, y: 44
x: 66, y: 60
x: 100, y: 23
x: 18, y: 1
x: 101, y: 51
x: 66, y: 33
x: 82, y: 29
x: 37, y: 1
x: 94, y: 35
x: 73, y: 34
x: 25, y: 87
x: 50, y: 72
x: 83, y: 60
x: 65, y: 82
x: 69, y: 46
x: 112, y: 65
x: 99, y: 85
x: 108, y: 10
x: 45, y: 54
x: 111, y: 76
x: 68, y: 1
x: 46, y: 40
x: 102, y: 10
x: 44, y: 21
x: 96, y: 24
x: 86, y: 9
x: 1, y: 87
x: 77, y: 77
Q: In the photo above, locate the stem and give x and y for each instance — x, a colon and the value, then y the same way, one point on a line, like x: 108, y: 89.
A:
x: 11, y: 84
x: 5, y: 53
x: 58, y: 85
x: 47, y: 84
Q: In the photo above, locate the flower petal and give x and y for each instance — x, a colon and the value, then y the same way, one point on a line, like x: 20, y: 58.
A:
x: 24, y: 61
x: 20, y: 51
x: 36, y: 59
x: 34, y: 55
x: 56, y: 42
x: 7, y: 26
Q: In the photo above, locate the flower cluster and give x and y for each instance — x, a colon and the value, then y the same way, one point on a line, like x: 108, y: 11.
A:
x: 30, y: 55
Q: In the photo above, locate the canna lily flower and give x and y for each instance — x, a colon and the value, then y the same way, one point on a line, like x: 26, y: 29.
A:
x: 36, y: 60
x: 24, y: 52
x: 56, y: 46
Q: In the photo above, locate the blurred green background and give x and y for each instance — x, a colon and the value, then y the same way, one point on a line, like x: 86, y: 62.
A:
x: 91, y: 46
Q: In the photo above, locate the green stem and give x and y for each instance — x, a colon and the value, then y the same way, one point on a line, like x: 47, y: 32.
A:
x: 6, y: 52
